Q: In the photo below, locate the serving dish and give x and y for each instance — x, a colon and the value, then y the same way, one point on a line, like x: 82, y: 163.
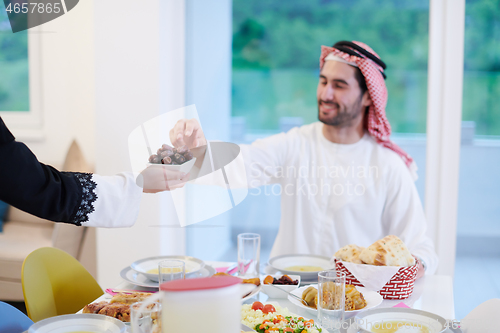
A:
x: 435, y: 323
x: 78, y: 323
x: 138, y: 279
x: 272, y: 292
x: 184, y: 167
x: 193, y: 265
x: 283, y: 264
x: 372, y: 298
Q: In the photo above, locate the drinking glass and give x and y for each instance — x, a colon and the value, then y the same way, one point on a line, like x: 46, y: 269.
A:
x: 248, y: 255
x: 145, y: 318
x: 169, y: 270
x: 331, y: 299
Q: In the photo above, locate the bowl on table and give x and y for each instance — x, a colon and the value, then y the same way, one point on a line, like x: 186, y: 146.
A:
x: 306, y: 265
x: 410, y: 320
x: 149, y: 266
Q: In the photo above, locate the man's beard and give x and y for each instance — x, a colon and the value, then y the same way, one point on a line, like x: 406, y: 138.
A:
x: 345, y: 115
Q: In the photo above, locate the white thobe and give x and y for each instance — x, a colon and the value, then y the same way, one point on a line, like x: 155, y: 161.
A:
x: 334, y: 194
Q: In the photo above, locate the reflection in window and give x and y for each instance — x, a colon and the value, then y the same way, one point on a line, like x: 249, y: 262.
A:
x: 14, y: 69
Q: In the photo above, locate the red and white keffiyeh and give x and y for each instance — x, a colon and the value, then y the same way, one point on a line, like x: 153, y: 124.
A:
x: 376, y: 123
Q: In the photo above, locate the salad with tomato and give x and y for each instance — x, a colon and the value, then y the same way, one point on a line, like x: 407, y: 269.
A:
x: 279, y: 320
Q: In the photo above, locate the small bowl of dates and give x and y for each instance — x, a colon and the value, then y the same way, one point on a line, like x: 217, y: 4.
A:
x: 286, y: 282
x: 175, y: 159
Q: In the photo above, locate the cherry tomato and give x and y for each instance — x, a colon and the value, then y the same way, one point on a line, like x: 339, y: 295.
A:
x: 257, y: 306
x: 287, y: 330
x: 268, y: 308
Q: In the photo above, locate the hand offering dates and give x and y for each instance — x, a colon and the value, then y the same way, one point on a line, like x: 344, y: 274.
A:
x: 171, y: 156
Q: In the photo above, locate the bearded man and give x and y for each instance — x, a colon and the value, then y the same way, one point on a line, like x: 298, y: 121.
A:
x: 342, y: 180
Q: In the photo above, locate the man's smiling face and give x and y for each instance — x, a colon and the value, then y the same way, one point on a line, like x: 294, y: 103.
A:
x: 340, y: 102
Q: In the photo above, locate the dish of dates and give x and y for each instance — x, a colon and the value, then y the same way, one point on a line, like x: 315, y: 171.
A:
x: 284, y: 280
x: 171, y: 156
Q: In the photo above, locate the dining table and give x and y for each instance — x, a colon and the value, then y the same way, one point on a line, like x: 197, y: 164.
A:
x: 431, y: 293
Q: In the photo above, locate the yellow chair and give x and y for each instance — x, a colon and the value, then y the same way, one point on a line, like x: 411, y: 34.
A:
x: 55, y: 283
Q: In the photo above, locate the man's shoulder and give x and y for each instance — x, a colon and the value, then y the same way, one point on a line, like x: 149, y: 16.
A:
x: 387, y: 158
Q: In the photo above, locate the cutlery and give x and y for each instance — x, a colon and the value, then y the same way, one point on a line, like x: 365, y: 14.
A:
x: 294, y: 296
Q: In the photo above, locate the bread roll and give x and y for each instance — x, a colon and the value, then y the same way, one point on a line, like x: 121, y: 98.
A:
x: 350, y: 253
x: 388, y: 251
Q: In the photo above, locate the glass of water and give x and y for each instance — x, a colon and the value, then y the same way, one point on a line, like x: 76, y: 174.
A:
x: 331, y: 299
x: 248, y: 255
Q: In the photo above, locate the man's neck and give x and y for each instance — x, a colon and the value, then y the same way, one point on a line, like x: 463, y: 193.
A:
x: 343, y: 135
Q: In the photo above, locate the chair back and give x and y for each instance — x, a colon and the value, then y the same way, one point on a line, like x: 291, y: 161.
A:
x: 12, y: 320
x: 55, y: 283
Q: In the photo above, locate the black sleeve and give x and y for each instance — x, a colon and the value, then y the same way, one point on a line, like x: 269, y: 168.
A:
x: 39, y: 189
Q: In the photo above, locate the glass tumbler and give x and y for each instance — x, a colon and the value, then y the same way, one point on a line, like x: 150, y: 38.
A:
x: 145, y: 318
x: 169, y: 270
x: 248, y: 255
x: 331, y: 300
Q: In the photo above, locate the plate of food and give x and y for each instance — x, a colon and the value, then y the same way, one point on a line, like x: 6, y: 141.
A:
x: 118, y: 307
x: 250, y: 287
x: 271, y: 317
x: 148, y: 267
x: 357, y: 299
x: 78, y: 323
x: 400, y: 320
x: 139, y: 279
x: 305, y: 265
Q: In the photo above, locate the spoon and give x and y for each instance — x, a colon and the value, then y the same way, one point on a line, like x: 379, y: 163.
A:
x: 294, y: 296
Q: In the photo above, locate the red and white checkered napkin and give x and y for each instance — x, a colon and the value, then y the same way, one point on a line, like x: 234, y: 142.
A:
x: 392, y: 282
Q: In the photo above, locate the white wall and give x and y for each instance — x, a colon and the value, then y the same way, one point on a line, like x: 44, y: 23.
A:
x: 129, y: 81
x: 67, y: 86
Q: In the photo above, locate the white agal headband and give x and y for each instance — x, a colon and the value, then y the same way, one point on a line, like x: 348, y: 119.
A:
x: 331, y: 56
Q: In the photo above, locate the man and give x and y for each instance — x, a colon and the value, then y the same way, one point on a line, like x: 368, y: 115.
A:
x: 343, y: 181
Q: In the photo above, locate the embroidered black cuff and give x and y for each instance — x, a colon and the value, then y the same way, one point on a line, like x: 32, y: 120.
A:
x: 88, y: 197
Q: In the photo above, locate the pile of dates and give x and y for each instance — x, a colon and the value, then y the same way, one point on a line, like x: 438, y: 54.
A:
x: 170, y: 155
x: 285, y: 279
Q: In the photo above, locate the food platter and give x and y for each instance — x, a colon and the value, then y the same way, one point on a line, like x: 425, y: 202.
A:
x: 372, y: 298
x: 138, y: 279
x: 283, y: 264
x: 193, y: 265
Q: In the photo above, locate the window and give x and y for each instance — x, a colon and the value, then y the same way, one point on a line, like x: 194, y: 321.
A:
x: 20, y: 87
x: 14, y: 85
x: 478, y: 227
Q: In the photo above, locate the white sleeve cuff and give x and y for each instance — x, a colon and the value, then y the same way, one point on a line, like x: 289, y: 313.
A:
x: 117, y: 203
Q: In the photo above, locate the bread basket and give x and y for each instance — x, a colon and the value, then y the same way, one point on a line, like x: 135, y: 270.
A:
x: 400, y: 286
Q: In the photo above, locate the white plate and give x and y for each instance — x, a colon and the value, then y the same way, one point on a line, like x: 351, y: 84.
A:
x: 281, y: 263
x: 78, y: 322
x: 435, y: 323
x: 246, y: 288
x: 372, y: 298
x: 193, y: 265
x: 272, y: 292
x: 184, y: 167
x: 138, y: 279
